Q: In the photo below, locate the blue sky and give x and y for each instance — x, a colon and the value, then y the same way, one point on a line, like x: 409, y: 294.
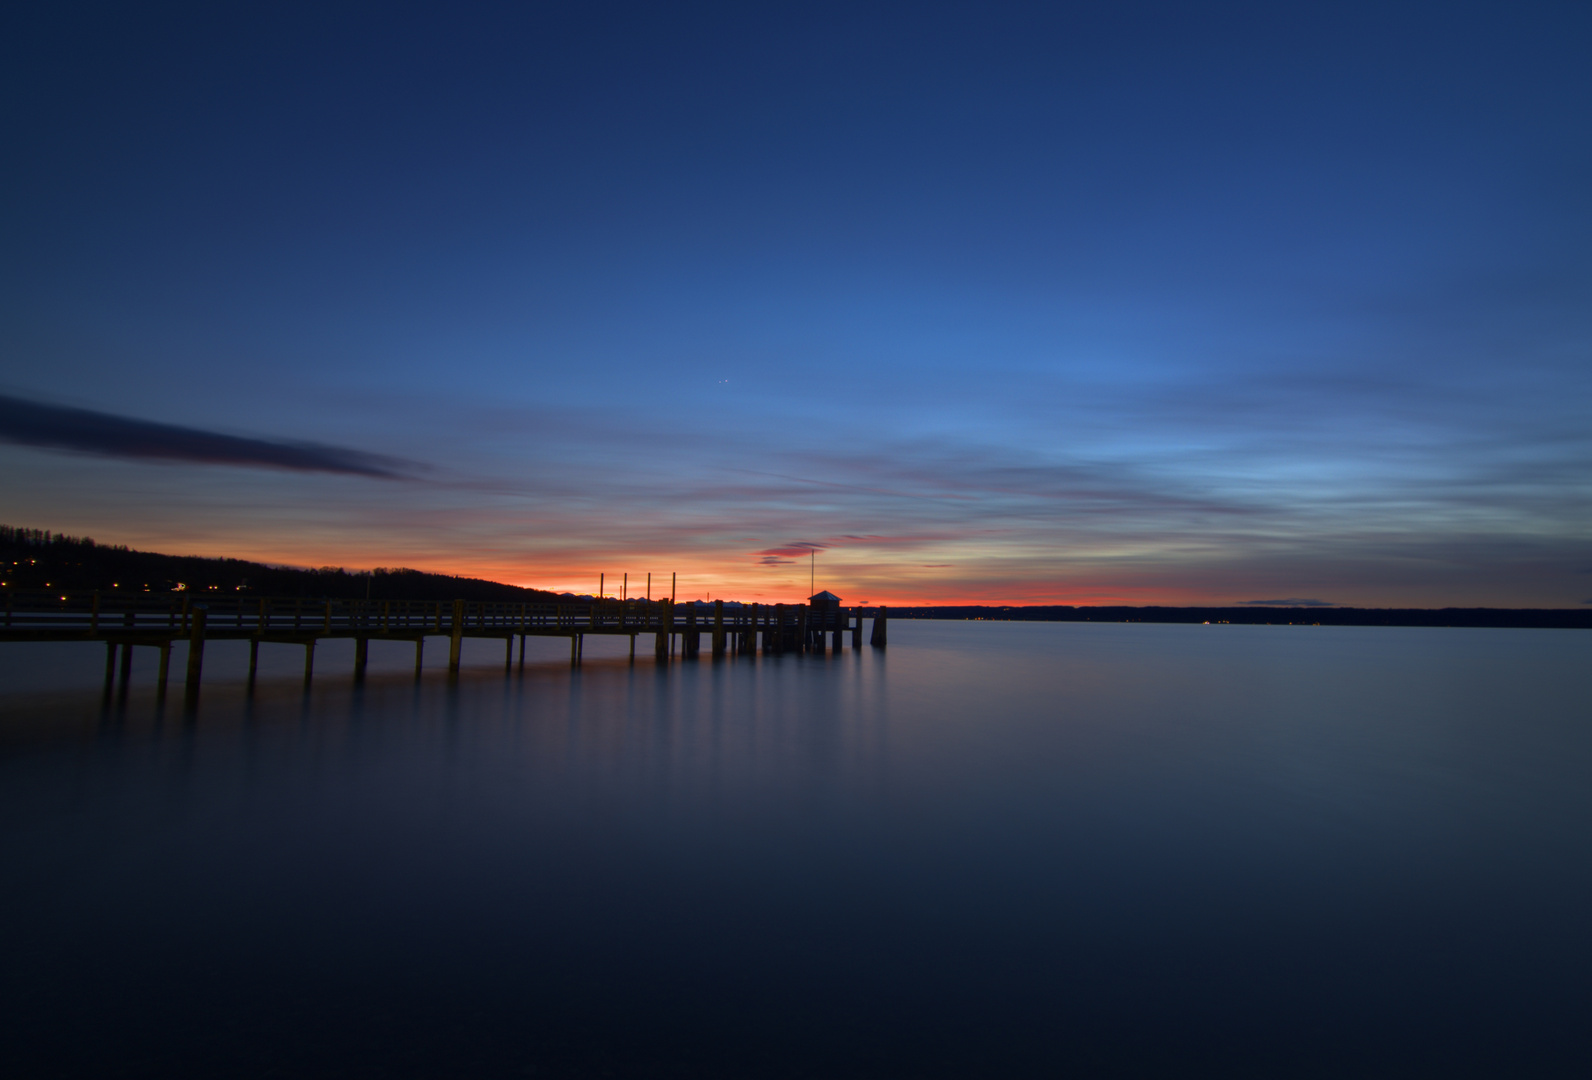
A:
x: 1145, y: 303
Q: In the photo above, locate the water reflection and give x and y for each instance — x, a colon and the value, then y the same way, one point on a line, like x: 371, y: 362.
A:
x: 1010, y: 850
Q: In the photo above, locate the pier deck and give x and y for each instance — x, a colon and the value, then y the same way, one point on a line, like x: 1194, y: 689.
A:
x: 125, y: 620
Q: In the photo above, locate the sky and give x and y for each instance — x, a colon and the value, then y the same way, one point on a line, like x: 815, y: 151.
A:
x: 955, y: 303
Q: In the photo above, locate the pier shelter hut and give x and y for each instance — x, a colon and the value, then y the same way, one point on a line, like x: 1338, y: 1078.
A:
x: 824, y: 614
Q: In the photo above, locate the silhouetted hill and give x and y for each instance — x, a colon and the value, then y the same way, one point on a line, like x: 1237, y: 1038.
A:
x: 35, y: 559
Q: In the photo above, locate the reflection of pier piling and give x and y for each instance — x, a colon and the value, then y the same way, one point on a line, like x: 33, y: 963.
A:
x: 123, y: 621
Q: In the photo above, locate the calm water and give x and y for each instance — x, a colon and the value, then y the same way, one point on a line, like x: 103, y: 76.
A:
x: 1001, y: 850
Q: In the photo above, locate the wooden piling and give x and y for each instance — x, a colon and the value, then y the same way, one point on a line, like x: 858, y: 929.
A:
x: 880, y: 628
x: 508, y: 656
x: 456, y: 641
x: 309, y: 661
x: 718, y: 629
x: 420, y: 648
x: 665, y: 630
x: 856, y: 629
x: 165, y: 671
x: 361, y: 657
x: 110, y: 667
x: 254, y: 659
x: 93, y: 622
x: 196, y: 650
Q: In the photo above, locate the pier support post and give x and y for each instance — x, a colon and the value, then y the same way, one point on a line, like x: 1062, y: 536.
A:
x: 420, y: 647
x: 856, y: 629
x: 574, y: 649
x: 309, y: 661
x: 361, y: 657
x: 127, y: 666
x: 508, y: 654
x: 165, y: 671
x: 196, y: 651
x: 718, y: 629
x: 456, y: 642
x: 665, y: 630
x: 632, y: 648
x: 254, y: 657
x: 880, y: 628
x: 522, y: 639
x: 110, y: 667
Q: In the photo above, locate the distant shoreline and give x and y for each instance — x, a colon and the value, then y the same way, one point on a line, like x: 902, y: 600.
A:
x: 1511, y: 618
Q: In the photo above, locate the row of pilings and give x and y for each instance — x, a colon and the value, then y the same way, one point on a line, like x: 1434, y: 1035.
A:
x: 678, y: 630
x: 773, y: 628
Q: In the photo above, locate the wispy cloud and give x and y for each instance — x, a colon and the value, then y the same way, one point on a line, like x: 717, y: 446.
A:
x: 792, y: 550
x: 55, y: 427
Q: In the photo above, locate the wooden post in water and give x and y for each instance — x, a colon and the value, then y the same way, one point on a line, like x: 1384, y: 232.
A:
x: 691, y: 639
x: 361, y: 655
x: 165, y: 669
x: 880, y: 628
x: 110, y: 668
x: 93, y: 622
x: 127, y: 654
x: 309, y: 661
x: 508, y: 657
x: 254, y: 658
x: 420, y: 645
x: 456, y: 642
x: 196, y: 651
x: 856, y: 628
x: 718, y: 629
x: 665, y: 613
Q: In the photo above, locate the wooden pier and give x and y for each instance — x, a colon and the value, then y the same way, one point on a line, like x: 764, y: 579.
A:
x: 124, y: 621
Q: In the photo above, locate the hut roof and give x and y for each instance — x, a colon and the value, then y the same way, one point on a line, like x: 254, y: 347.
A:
x: 825, y: 597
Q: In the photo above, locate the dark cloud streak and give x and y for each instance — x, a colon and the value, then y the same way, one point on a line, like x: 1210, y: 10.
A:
x: 55, y: 427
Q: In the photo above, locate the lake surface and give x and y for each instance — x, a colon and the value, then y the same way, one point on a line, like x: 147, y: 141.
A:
x: 997, y: 850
